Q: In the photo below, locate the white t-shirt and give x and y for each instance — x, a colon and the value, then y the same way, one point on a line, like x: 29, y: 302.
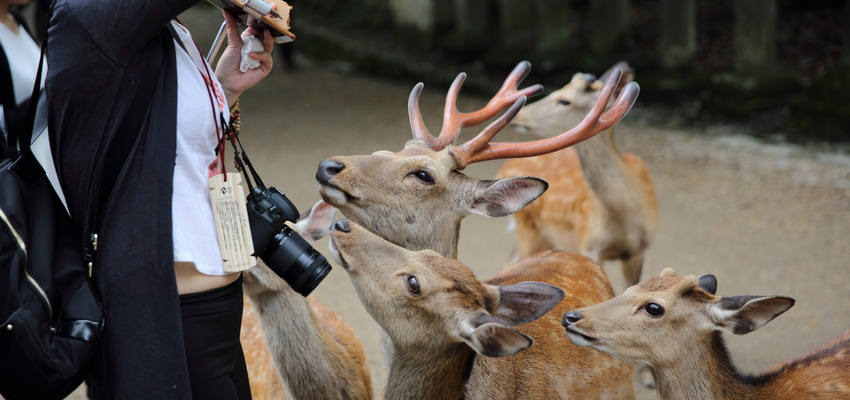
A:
x: 22, y: 53
x: 193, y: 230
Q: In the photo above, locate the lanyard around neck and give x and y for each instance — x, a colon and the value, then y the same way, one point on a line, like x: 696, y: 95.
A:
x: 217, y: 114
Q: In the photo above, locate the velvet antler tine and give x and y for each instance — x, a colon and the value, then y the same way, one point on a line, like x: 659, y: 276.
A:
x: 417, y: 125
x: 451, y: 97
x: 454, y: 120
x: 622, y: 66
x: 516, y: 76
x: 482, y: 139
x: 588, y: 127
x: 506, y: 95
x: 496, y: 126
x: 621, y: 107
x: 532, y: 90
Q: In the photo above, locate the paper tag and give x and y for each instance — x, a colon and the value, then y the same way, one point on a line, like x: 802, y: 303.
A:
x: 231, y: 222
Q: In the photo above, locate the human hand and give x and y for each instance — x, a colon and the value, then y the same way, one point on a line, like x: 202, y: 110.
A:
x: 234, y: 81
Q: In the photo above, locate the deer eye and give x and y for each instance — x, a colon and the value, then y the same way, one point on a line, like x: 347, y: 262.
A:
x: 423, y: 176
x: 413, y: 285
x: 653, y: 309
x: 564, y: 102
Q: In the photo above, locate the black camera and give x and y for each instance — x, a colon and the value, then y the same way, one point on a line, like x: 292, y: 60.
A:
x: 281, y: 248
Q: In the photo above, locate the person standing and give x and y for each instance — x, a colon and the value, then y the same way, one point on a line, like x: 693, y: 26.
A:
x: 136, y: 117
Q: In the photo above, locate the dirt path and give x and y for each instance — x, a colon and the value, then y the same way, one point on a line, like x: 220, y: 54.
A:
x: 763, y: 219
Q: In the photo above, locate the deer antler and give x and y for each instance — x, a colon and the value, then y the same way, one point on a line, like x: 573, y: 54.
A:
x: 454, y: 120
x: 480, y: 148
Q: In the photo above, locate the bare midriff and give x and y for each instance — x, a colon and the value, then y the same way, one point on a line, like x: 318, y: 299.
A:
x: 190, y: 280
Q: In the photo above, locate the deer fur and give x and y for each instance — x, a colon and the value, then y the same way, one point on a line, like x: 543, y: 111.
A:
x: 382, y: 193
x: 416, y: 199
x: 456, y: 338
x: 315, y: 353
x: 684, y: 346
x: 600, y: 203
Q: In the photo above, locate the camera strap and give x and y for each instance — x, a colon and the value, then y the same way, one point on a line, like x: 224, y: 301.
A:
x: 240, y: 157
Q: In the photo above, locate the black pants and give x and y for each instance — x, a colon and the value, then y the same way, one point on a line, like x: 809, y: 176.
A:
x: 212, y: 322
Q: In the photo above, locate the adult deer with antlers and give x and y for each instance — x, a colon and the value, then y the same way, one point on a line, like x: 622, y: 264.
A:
x: 417, y: 197
x: 600, y: 203
x: 673, y: 325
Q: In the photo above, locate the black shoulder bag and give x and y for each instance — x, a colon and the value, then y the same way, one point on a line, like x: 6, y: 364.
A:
x: 51, y: 315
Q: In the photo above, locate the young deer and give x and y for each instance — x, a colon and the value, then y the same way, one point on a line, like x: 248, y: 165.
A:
x: 600, y: 203
x: 673, y: 325
x: 453, y: 336
x: 417, y: 197
x: 316, y: 353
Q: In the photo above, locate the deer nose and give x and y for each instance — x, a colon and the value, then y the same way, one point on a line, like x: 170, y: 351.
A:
x: 571, y: 317
x: 328, y: 169
x: 342, y: 226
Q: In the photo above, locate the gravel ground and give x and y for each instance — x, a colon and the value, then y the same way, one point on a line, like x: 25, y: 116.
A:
x: 763, y: 218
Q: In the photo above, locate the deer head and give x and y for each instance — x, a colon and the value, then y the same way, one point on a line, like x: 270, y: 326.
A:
x: 416, y: 197
x: 429, y: 303
x: 661, y: 320
x: 569, y: 104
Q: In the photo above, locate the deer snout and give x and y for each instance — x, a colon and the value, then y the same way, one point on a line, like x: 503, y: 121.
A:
x: 328, y: 169
x: 570, y: 318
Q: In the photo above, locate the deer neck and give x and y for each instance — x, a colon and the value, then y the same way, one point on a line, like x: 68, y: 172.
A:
x: 603, y: 170
x: 441, y: 236
x: 429, y: 374
x: 705, y: 373
x: 303, y: 352
x: 443, y: 241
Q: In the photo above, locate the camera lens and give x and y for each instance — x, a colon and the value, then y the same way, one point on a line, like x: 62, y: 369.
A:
x: 298, y: 263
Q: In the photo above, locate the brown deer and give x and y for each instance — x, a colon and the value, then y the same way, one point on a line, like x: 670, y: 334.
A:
x: 673, y: 325
x: 453, y: 336
x: 315, y: 353
x: 417, y: 197
x: 600, y: 203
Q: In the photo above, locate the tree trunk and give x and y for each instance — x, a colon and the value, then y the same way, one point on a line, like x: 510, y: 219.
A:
x: 755, y: 34
x: 678, y: 32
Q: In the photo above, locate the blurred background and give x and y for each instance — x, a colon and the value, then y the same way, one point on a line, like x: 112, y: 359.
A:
x: 779, y: 67
x: 743, y: 120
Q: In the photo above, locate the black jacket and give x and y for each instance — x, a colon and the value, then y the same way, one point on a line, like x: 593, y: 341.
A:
x: 103, y: 54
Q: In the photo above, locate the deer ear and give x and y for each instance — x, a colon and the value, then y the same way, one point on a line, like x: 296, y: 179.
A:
x: 744, y: 314
x: 708, y: 283
x: 317, y: 222
x: 524, y: 302
x: 506, y: 196
x: 493, y: 339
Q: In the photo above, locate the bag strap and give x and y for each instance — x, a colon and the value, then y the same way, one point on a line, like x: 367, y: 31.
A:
x: 24, y: 137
